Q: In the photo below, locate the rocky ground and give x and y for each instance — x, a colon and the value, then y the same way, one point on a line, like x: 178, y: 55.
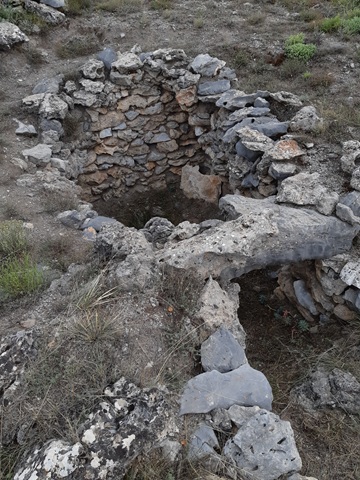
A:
x: 250, y: 37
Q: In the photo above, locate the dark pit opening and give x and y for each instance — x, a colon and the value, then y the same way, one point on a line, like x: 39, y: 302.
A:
x: 135, y: 209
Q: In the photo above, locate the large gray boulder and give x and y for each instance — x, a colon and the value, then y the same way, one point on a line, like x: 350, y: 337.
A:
x: 10, y: 35
x: 334, y: 389
x: 263, y: 448
x: 243, y: 386
x: 127, y: 422
x: 259, y: 234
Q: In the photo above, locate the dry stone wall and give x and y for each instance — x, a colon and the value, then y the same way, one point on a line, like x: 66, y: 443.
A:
x: 143, y: 117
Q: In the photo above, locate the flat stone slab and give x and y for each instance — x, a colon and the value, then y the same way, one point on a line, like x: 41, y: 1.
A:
x: 222, y: 352
x: 243, y: 386
x: 260, y: 233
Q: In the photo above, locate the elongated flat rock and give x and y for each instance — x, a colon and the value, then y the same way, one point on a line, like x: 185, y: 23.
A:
x: 243, y: 386
x: 259, y: 234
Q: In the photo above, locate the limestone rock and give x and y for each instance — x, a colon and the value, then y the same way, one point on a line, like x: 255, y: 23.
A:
x: 287, y: 98
x: 158, y: 230
x: 206, y: 65
x: 185, y: 230
x: 306, y: 120
x: 25, y: 130
x: 53, y: 107
x: 54, y: 3
x: 107, y: 56
x: 10, y: 35
x: 303, y: 297
x: 334, y: 389
x: 350, y: 273
x: 93, y: 70
x: 306, y: 189
x: 48, y: 14
x: 196, y: 185
x: 216, y: 308
x: 282, y: 170
x: 49, y: 85
x: 261, y: 234
x: 214, y: 87
x: 15, y: 351
x: 97, y: 222
x: 126, y: 63
x: 222, y: 352
x: 254, y: 140
x: 264, y: 448
x: 40, y: 154
x: 117, y: 241
x: 136, y: 421
x: 284, y: 150
x: 202, y: 443
x: 235, y: 99
x: 56, y: 459
x: 350, y: 155
x: 242, y: 386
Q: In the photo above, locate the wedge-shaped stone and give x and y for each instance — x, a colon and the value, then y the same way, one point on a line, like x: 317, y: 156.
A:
x: 243, y: 386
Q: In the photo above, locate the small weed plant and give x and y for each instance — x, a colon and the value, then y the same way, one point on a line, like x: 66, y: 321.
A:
x: 20, y: 276
x: 295, y: 48
x: 13, y: 239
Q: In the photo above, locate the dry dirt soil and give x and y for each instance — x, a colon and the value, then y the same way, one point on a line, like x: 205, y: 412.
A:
x: 250, y: 37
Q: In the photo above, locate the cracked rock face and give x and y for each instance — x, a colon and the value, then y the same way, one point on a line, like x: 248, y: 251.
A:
x: 127, y: 422
x: 260, y: 234
x: 264, y: 448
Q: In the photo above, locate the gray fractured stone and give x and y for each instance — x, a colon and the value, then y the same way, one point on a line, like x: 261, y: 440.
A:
x: 126, y: 63
x: 98, y: 222
x: 306, y: 189
x: 350, y: 155
x: 10, y: 35
x: 93, y: 69
x: 218, y: 307
x: 245, y: 152
x: 239, y: 415
x: 352, y: 200
x: 235, y: 99
x: 49, y: 85
x: 40, y: 154
x: 281, y: 170
x: 202, y: 443
x: 107, y: 56
x: 350, y: 273
x: 213, y: 87
x: 53, y: 107
x: 158, y: 230
x: 222, y: 352
x: 306, y: 120
x: 242, y: 386
x: 56, y: 459
x: 54, y: 3
x: 54, y: 125
x: 263, y: 447
x: 184, y: 230
x: 136, y: 421
x: 346, y: 214
x: 335, y: 389
x: 196, y: 185
x: 25, y: 129
x: 352, y: 295
x: 303, y: 296
x: 48, y: 14
x: 287, y: 98
x: 260, y: 234
x: 206, y: 65
x: 74, y: 218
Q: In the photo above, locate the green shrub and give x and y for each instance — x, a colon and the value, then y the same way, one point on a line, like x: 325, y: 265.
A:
x: 332, y: 24
x: 160, y: 4
x: 296, y: 48
x: 351, y: 26
x: 13, y: 239
x: 20, y: 276
x: 294, y: 39
x: 24, y: 20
